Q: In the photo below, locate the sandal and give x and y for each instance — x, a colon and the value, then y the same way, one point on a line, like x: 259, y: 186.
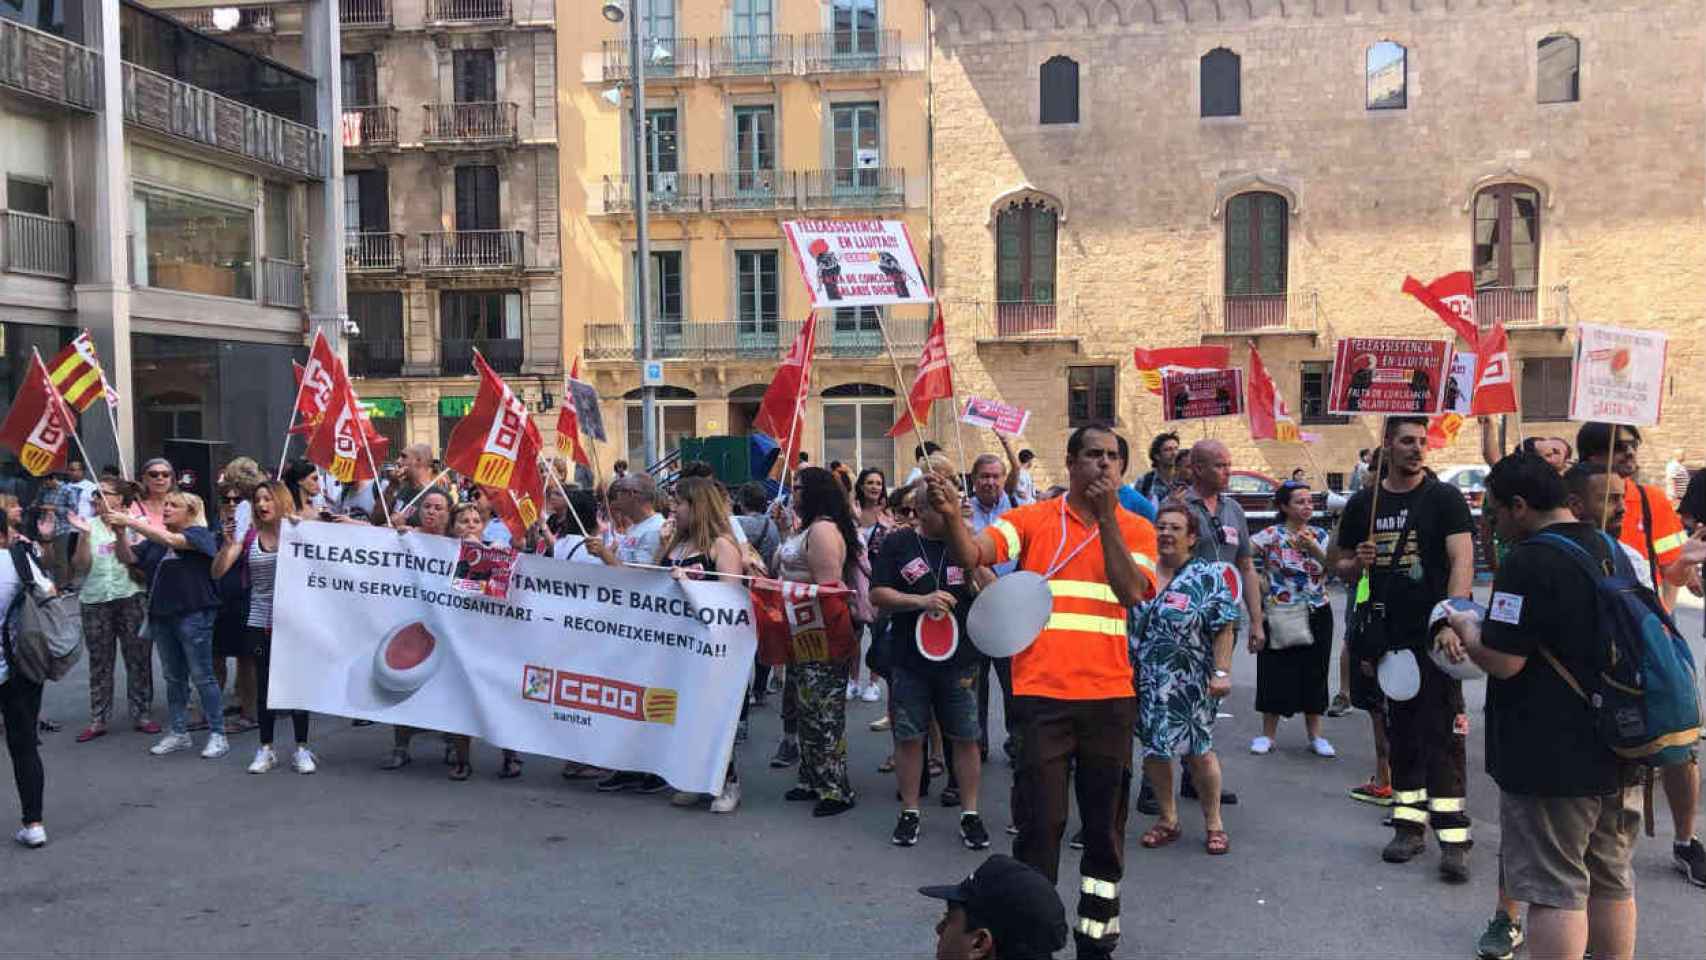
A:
x: 936, y: 768
x: 511, y: 768
x: 461, y: 771
x: 396, y: 761
x: 887, y: 766
x: 1216, y: 843
x: 90, y: 732
x: 1160, y: 835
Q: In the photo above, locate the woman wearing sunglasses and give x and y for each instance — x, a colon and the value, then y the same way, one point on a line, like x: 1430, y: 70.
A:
x: 158, y: 479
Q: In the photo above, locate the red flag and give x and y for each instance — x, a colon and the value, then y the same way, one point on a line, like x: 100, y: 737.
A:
x: 779, y: 411
x: 934, y: 380
x: 569, y: 425
x: 1443, y: 428
x: 1153, y: 364
x: 1269, y: 418
x: 802, y: 622
x: 38, y: 426
x: 497, y: 443
x: 518, y: 511
x: 1494, y: 390
x: 316, y: 385
x: 346, y: 444
x: 1453, y: 298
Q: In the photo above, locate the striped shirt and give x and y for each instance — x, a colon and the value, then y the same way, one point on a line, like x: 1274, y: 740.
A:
x: 263, y: 565
x: 1081, y: 653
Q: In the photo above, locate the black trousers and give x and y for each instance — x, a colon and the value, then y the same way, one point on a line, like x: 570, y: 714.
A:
x: 1427, y: 734
x: 259, y: 641
x: 1003, y: 668
x: 20, y: 704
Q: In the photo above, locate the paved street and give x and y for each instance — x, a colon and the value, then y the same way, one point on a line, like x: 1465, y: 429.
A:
x: 189, y: 857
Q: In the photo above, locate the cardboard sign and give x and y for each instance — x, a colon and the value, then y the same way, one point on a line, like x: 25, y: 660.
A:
x: 996, y: 415
x: 1459, y: 385
x: 1618, y: 376
x: 483, y: 570
x: 1202, y: 394
x: 1377, y: 375
x: 855, y: 263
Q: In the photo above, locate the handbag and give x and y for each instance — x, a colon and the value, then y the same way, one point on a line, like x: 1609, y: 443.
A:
x: 1288, y: 625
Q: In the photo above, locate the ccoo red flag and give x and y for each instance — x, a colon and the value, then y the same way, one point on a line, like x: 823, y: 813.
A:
x: 1152, y: 365
x: 569, y: 423
x: 1452, y: 297
x: 779, y: 414
x: 38, y: 426
x: 497, y: 443
x: 1494, y: 390
x: 1269, y: 418
x: 345, y: 443
x: 316, y: 385
x: 934, y: 380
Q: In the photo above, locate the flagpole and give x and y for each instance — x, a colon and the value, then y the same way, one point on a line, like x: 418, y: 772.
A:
x: 795, y: 428
x: 560, y: 489
x: 64, y: 411
x: 900, y: 381
x: 112, y: 418
x: 367, y: 447
x: 295, y: 405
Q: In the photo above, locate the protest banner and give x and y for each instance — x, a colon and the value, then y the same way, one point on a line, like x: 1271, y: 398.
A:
x: 994, y: 414
x: 1459, y: 384
x: 1618, y: 376
x: 856, y: 263
x: 1202, y: 394
x: 621, y: 668
x: 1379, y: 375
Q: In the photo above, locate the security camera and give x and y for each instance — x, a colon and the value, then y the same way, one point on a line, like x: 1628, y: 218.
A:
x: 615, y: 10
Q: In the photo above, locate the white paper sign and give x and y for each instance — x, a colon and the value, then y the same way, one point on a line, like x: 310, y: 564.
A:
x: 1460, y: 385
x: 854, y: 263
x: 1618, y: 376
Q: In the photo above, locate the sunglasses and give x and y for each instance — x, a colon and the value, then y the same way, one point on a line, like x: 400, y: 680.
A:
x: 158, y: 475
x: 230, y: 499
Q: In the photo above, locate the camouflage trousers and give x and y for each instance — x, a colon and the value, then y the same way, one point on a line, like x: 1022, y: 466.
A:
x: 108, y: 629
x: 822, y: 704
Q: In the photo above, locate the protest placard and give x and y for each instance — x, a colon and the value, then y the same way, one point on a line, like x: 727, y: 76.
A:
x: 1379, y: 375
x: 999, y: 416
x: 856, y: 263
x: 620, y: 668
x: 483, y: 569
x: 1202, y: 394
x: 1618, y: 376
x: 1459, y: 384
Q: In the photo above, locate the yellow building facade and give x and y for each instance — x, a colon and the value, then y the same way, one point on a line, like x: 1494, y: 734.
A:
x: 757, y: 112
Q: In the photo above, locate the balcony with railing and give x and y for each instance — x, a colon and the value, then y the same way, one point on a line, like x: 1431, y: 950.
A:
x: 864, y: 188
x: 762, y: 340
x: 849, y: 51
x: 503, y: 356
x: 1524, y: 306
x: 1295, y: 312
x: 187, y: 112
x: 446, y: 13
x: 226, y: 21
x: 677, y: 193
x: 373, y: 252
x: 469, y: 124
x: 854, y: 336
x: 281, y: 283
x: 458, y: 251
x: 364, y: 14
x: 375, y: 356
x: 753, y: 190
x: 370, y: 127
x: 666, y: 58
x: 1012, y: 321
x: 43, y: 65
x: 37, y: 246
x: 752, y: 55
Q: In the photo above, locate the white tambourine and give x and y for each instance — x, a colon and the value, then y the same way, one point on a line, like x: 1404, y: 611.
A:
x: 937, y: 636
x: 1400, y: 675
x: 1009, y: 613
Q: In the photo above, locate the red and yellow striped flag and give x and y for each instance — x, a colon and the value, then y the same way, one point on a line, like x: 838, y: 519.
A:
x: 76, y: 373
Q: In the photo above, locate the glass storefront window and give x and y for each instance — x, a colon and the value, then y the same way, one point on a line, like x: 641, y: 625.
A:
x: 193, y: 389
x: 190, y: 244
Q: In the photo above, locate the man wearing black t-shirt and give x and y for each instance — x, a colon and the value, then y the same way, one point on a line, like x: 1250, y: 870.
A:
x: 1420, y: 552
x: 1567, y: 808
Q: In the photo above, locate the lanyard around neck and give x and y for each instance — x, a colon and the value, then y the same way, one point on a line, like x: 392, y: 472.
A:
x: 1056, y: 564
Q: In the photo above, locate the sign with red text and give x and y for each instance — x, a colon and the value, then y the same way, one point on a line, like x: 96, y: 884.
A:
x: 999, y: 416
x: 483, y: 569
x: 857, y: 263
x: 1202, y: 394
x: 1618, y: 375
x: 1379, y: 375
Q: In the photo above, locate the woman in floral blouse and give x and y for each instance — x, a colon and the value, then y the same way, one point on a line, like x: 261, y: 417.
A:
x: 1182, y: 646
x: 1294, y: 680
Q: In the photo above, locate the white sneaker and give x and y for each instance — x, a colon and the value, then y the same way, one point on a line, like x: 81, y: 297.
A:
x: 217, y: 746
x: 171, y: 743
x: 684, y: 799
x: 32, y: 837
x: 264, y: 760
x: 873, y: 693
x: 1321, y: 748
x: 852, y: 689
x: 1261, y: 745
x: 302, y: 761
x: 729, y: 799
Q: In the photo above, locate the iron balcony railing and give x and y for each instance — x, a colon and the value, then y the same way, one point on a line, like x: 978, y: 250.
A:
x: 375, y: 356
x: 459, y: 250
x: 362, y: 14
x: 369, y: 126
x: 281, y: 283
x: 1029, y: 319
x: 850, y: 51
x: 763, y: 339
x: 39, y: 246
x: 753, y: 190
x: 469, y: 123
x: 46, y: 66
x: 467, y: 11
x: 666, y: 193
x: 752, y: 55
x: 373, y: 252
x: 503, y: 356
x: 850, y: 333
x: 1516, y: 306
x: 863, y: 188
x: 665, y: 58
x: 250, y: 19
x: 1298, y: 311
x: 188, y: 112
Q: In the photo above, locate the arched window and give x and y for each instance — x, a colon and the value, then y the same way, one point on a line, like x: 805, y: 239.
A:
x: 1507, y: 253
x: 1559, y: 69
x: 856, y: 422
x: 1220, y: 95
x: 1386, y: 79
x: 1059, y: 90
x: 1025, y: 237
x: 1256, y: 243
x: 677, y: 412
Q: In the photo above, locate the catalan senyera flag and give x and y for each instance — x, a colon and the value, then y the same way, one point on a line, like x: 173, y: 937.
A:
x: 569, y: 422
x: 933, y: 381
x: 1152, y: 365
x: 497, y: 443
x: 38, y: 426
x: 76, y: 373
x: 1269, y: 418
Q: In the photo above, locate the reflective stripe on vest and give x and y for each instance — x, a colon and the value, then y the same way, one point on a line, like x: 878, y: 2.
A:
x: 1453, y: 835
x: 1009, y: 534
x: 1086, y: 623
x: 1446, y: 804
x: 1083, y: 590
x: 1410, y: 814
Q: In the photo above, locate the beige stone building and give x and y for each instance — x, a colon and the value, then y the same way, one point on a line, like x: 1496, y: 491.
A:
x: 1114, y: 174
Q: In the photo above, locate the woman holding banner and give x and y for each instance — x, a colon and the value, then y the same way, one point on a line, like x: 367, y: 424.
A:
x: 468, y: 521
x: 433, y: 512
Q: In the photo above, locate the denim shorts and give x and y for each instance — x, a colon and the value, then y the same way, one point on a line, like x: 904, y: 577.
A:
x: 948, y: 691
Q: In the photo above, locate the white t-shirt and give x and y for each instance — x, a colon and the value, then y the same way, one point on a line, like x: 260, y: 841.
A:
x: 1643, y: 570
x: 1025, y: 489
x: 640, y: 542
x: 497, y: 533
x: 86, y: 496
x: 571, y: 547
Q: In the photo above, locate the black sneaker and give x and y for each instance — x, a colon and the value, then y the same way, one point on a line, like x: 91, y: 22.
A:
x: 1404, y: 846
x: 905, y: 829
x: 619, y: 781
x: 1340, y: 706
x: 950, y: 796
x: 799, y: 794
x: 787, y: 753
x: 972, y: 832
x: 651, y: 783
x: 1077, y: 841
x: 1690, y: 860
x: 1454, y: 864
x: 830, y: 808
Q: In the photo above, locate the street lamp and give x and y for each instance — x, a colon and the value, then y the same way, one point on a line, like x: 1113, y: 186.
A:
x: 616, y: 11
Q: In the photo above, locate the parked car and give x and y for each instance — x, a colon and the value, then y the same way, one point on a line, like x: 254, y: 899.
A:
x: 1255, y: 493
x: 1469, y: 479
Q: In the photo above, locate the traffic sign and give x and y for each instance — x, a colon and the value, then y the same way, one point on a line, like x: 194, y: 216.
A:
x: 651, y: 373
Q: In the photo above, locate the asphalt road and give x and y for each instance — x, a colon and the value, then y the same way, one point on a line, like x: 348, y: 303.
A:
x: 189, y: 857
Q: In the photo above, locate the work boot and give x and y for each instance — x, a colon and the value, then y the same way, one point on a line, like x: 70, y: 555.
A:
x: 1454, y: 864
x: 1404, y: 846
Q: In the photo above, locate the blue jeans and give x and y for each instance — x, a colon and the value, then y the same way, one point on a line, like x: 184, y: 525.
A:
x: 185, y: 643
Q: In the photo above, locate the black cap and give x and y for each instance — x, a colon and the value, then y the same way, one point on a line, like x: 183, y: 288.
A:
x: 1014, y: 901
